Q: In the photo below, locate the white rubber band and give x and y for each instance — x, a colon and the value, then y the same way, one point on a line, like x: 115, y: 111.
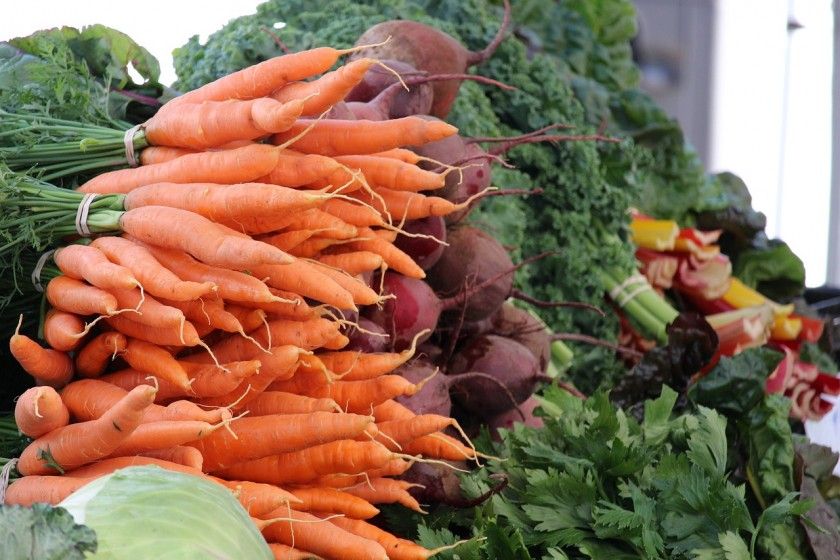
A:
x: 5, y: 474
x: 628, y: 282
x: 82, y: 214
x: 39, y: 266
x: 630, y: 296
x: 128, y: 141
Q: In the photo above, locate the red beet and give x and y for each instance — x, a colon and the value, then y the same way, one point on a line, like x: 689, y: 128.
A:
x: 437, y: 483
x: 433, y: 398
x: 519, y: 325
x: 375, y: 340
x: 473, y: 257
x: 511, y: 375
x: 414, y: 309
x: 377, y: 79
x: 425, y: 252
x: 506, y: 420
x: 428, y: 50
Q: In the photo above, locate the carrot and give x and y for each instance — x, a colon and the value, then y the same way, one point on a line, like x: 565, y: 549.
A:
x: 332, y: 137
x: 257, y: 498
x: 327, y: 224
x: 289, y: 239
x: 156, y: 279
x: 210, y: 124
x: 174, y: 228
x: 231, y: 284
x: 46, y: 489
x: 360, y: 366
x: 407, y: 205
x: 395, y: 548
x: 314, y: 245
x: 225, y: 166
x: 361, y: 395
x: 439, y: 446
x: 394, y: 467
x: 386, y: 491
x: 320, y: 537
x: 283, y: 552
x: 39, y: 410
x: 94, y: 356
x: 146, y: 310
x: 279, y: 402
x: 209, y: 312
x: 352, y: 213
x: 185, y: 335
x: 298, y: 310
x: 337, y: 342
x: 208, y: 386
x: 75, y: 445
x: 393, y: 257
x: 405, y: 431
x: 161, y: 154
x: 153, y: 360
x: 392, y: 410
x: 303, y: 278
x: 324, y: 92
x: 361, y: 292
x: 330, y: 500
x: 263, y: 436
x: 66, y: 294
x: 352, y: 262
x: 210, y: 380
x: 225, y: 202
x: 264, y: 78
x: 149, y: 436
x: 400, y: 154
x: 86, y: 262
x: 383, y: 172
x: 89, y: 399
x: 295, y: 169
x: 47, y: 366
x: 63, y: 331
x: 181, y: 454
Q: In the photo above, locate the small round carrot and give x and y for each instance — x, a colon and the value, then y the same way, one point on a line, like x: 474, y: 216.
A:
x: 352, y: 262
x: 324, y: 92
x: 39, y: 410
x: 180, y: 454
x: 238, y: 165
x: 332, y: 137
x: 279, y: 402
x: 156, y: 279
x: 161, y: 154
x: 330, y: 500
x: 66, y: 294
x: 47, y: 366
x: 304, y: 278
x: 86, y: 262
x: 150, y: 358
x: 75, y: 445
x: 386, y: 491
x: 29, y: 490
x: 92, y: 359
x: 262, y: 436
x: 174, y: 228
x: 63, y: 331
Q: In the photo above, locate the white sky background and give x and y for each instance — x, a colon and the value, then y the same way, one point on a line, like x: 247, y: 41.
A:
x: 777, y: 140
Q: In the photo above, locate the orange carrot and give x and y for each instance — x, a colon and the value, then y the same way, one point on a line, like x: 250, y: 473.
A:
x: 211, y: 124
x: 439, y: 446
x: 405, y: 204
x: 332, y: 137
x: 174, y: 228
x: 39, y: 410
x: 298, y: 309
x: 263, y: 436
x: 279, y: 402
x: 327, y: 224
x: 180, y: 454
x: 47, y: 366
x: 155, y: 278
x: 225, y: 166
x: 394, y: 467
x: 289, y: 239
x: 75, y: 445
x: 251, y: 319
x: 303, y: 278
x: 405, y: 431
x: 320, y: 537
x: 314, y: 245
x: 210, y: 380
x: 283, y: 552
x: 264, y: 78
x: 161, y: 154
x: 324, y: 92
x: 257, y: 499
x: 149, y: 436
x: 393, y: 257
x: 362, y: 294
x: 386, y: 491
x: 354, y: 214
x: 147, y: 310
x: 352, y: 262
x: 356, y: 396
x: 224, y: 202
x: 45, y: 489
x: 63, y: 331
x: 306, y: 465
x: 73, y: 296
x: 330, y: 500
x: 185, y: 335
x: 208, y: 312
x: 94, y: 356
x: 153, y: 360
x: 295, y: 169
x: 394, y: 174
x: 401, y: 154
x: 395, y: 548
x: 86, y: 262
x: 392, y: 410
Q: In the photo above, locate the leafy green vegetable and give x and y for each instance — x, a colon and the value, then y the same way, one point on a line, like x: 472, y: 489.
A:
x: 736, y: 384
x: 43, y: 532
x: 149, y: 512
x: 773, y: 270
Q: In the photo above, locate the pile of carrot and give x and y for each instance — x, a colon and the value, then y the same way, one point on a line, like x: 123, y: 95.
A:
x: 207, y: 337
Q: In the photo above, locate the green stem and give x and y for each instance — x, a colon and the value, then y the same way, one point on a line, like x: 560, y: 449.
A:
x: 650, y: 324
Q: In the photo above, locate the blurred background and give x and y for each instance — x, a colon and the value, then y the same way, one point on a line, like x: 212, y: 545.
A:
x: 749, y: 80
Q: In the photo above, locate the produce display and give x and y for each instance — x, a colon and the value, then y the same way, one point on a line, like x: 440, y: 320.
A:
x: 396, y: 279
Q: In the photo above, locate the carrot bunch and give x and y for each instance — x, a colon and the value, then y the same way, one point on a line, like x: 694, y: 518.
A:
x: 201, y: 326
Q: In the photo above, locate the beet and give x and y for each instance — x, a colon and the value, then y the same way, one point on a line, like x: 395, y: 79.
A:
x: 505, y: 363
x: 512, y: 322
x: 507, y: 419
x: 367, y: 342
x: 474, y: 257
x: 341, y: 111
x: 424, y: 251
x: 377, y: 79
x: 415, y: 308
x: 428, y: 50
x: 433, y: 398
x: 439, y: 484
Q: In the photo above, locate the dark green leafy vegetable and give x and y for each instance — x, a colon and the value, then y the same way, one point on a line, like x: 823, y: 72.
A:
x: 812, y: 354
x: 772, y: 269
x: 42, y: 532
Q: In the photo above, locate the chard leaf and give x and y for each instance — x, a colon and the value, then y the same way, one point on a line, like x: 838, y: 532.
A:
x: 43, y: 532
